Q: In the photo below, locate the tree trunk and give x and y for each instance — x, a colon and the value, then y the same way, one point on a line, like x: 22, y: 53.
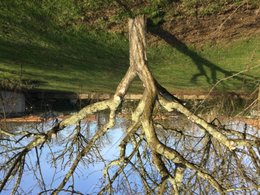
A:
x: 258, y: 100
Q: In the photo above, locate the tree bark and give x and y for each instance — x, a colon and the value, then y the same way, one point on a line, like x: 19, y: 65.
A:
x: 258, y: 100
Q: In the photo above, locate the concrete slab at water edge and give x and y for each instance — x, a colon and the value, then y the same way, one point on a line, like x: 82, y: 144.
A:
x: 12, y: 102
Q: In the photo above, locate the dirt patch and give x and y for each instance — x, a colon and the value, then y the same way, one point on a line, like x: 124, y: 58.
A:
x: 231, y: 23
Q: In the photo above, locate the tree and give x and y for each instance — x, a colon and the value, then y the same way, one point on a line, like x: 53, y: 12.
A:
x: 222, y: 160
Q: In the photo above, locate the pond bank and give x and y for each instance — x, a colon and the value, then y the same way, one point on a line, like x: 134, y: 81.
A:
x: 43, y: 101
x: 253, y: 122
x: 41, y: 94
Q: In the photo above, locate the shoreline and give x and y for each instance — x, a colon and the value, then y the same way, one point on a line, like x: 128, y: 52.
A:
x: 254, y: 122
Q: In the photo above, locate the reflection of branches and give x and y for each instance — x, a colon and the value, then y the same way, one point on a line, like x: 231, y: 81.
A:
x: 40, y: 169
x: 167, y: 159
x: 122, y: 162
x: 63, y: 190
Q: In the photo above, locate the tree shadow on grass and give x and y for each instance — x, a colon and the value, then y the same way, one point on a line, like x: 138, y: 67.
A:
x: 48, y: 51
x: 200, y: 62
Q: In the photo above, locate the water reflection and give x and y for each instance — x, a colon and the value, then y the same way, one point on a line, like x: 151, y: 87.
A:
x: 45, y: 166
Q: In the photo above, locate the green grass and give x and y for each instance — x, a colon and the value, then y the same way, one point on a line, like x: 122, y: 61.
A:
x: 75, y: 64
x: 184, y: 68
x: 34, y: 46
x: 40, y: 45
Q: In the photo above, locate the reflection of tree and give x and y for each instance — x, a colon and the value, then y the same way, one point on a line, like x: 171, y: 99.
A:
x: 201, y: 149
x: 166, y: 158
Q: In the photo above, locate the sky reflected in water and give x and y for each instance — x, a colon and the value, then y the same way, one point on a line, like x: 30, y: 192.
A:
x: 88, y: 177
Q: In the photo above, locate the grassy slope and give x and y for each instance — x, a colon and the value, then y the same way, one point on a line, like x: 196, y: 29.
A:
x: 33, y: 46
x: 200, y: 69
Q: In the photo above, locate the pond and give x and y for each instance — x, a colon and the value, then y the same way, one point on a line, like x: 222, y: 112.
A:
x: 45, y: 166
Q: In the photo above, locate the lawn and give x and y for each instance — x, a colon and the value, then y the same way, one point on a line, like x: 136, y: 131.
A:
x: 37, y: 51
x: 187, y: 68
